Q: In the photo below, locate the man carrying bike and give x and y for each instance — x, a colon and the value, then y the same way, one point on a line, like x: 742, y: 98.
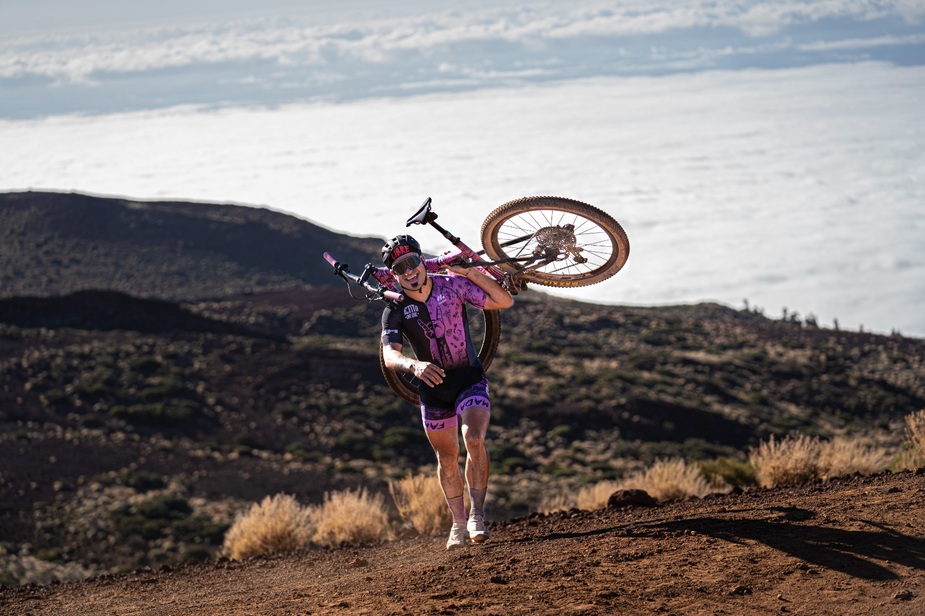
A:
x: 453, y: 387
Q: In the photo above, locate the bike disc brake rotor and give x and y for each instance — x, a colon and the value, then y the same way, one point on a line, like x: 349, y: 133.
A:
x: 559, y: 241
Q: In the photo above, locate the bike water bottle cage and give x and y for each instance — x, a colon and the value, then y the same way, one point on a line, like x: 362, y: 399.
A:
x: 398, y: 247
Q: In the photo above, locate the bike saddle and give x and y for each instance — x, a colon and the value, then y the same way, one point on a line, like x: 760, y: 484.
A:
x: 422, y: 216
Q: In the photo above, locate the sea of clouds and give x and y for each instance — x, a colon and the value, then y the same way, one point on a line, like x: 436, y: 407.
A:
x: 772, y: 152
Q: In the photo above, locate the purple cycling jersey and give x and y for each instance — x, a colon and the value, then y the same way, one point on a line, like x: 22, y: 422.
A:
x: 437, y: 328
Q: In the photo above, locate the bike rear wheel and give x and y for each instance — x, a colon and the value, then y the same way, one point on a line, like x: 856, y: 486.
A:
x: 592, y: 246
x: 485, y: 330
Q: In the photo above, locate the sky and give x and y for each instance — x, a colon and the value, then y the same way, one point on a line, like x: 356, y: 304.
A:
x: 768, y: 152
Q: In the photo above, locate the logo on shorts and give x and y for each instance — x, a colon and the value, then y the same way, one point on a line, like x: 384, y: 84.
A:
x: 432, y: 425
x: 411, y: 311
x: 475, y: 401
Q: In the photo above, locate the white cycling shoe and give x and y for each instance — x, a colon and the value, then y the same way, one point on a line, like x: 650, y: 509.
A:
x: 457, y: 538
x: 477, y: 530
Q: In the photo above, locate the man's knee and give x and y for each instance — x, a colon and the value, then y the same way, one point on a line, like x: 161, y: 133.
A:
x: 447, y: 457
x: 474, y: 439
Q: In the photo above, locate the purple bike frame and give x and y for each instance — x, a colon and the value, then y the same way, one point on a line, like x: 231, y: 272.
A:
x: 463, y: 255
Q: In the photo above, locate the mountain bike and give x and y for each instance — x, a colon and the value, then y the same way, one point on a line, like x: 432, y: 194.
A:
x: 549, y: 241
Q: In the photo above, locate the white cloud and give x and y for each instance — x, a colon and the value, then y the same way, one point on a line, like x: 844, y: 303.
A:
x: 579, y: 39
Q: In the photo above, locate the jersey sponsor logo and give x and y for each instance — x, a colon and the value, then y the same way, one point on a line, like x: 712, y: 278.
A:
x: 387, y: 332
x: 411, y: 311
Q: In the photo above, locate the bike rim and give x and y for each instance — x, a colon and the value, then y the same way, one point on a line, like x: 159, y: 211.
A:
x: 525, y: 233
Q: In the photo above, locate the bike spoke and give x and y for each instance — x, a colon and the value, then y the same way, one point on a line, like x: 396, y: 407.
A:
x: 519, y: 231
x: 560, y: 242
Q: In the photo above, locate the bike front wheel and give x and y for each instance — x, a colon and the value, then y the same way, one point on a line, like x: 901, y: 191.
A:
x: 557, y: 242
x: 485, y: 331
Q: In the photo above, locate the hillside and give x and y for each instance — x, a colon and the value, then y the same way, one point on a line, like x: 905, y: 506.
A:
x: 851, y: 546
x: 57, y: 243
x: 134, y: 423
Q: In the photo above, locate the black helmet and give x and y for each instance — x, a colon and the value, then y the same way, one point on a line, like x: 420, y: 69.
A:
x: 397, y: 247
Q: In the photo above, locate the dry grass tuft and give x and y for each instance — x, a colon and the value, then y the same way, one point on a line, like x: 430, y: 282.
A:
x: 278, y: 524
x: 350, y: 518
x: 844, y: 456
x: 420, y: 502
x: 799, y: 459
x: 915, y: 431
x: 912, y: 455
x: 665, y: 480
x: 596, y: 496
x: 557, y: 502
x: 671, y: 480
x: 789, y: 462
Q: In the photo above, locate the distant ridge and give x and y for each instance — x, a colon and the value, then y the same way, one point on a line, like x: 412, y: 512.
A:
x: 60, y: 243
x: 111, y: 310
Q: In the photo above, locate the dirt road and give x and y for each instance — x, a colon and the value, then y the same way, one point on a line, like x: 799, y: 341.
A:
x: 851, y: 546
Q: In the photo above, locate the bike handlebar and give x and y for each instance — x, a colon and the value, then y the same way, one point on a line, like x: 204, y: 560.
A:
x: 342, y: 270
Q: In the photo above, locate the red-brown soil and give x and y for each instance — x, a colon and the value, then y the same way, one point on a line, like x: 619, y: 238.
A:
x: 850, y: 546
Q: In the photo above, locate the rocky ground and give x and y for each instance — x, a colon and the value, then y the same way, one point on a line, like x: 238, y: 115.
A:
x: 854, y: 545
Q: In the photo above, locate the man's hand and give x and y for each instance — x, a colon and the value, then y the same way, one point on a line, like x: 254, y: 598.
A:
x: 459, y: 270
x: 431, y: 374
x: 498, y: 298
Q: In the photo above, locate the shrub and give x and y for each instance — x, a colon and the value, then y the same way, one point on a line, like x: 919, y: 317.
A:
x: 913, y: 453
x: 730, y: 471
x: 400, y: 437
x: 789, y: 462
x: 350, y: 518
x: 843, y: 456
x: 800, y: 459
x: 150, y: 519
x: 664, y: 480
x: 168, y: 413
x: 556, y: 502
x: 25, y: 568
x: 915, y: 432
x: 421, y: 503
x: 141, y: 481
x: 278, y: 524
x: 596, y: 496
x: 672, y: 479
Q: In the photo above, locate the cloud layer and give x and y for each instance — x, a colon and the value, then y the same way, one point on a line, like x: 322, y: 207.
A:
x: 293, y: 56
x: 791, y: 188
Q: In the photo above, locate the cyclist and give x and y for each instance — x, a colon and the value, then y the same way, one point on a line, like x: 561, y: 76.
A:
x: 452, y: 384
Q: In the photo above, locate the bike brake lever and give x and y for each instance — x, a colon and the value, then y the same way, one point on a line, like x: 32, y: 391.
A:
x: 367, y: 271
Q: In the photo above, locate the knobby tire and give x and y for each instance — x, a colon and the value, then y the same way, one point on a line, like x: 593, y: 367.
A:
x: 599, y: 239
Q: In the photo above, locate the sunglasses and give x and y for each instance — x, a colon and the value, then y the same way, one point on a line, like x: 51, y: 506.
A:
x: 406, y: 265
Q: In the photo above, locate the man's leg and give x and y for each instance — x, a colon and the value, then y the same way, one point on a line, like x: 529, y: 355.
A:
x: 446, y: 446
x: 474, y: 430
